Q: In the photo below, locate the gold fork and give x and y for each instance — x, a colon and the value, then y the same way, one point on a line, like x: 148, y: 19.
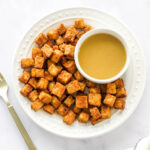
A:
x: 3, y: 95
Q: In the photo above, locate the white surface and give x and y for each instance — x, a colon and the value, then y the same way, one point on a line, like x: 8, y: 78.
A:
x: 18, y: 16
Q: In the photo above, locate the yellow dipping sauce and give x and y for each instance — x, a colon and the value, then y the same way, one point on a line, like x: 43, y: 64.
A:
x: 102, y: 56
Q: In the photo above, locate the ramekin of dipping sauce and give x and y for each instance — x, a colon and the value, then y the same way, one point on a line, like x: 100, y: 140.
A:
x: 101, y: 55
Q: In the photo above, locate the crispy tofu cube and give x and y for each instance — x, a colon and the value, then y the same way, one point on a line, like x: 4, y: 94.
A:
x: 111, y: 88
x: 41, y: 39
x: 103, y: 88
x: 61, y: 29
x: 69, y: 101
x: 109, y: 100
x: 37, y: 73
x: 119, y: 83
x: 57, y: 54
x: 69, y: 51
x: 42, y: 84
x: 62, y: 110
x: 95, y: 121
x: 70, y: 34
x: 45, y: 97
x: 90, y: 84
x: 49, y: 108
x: 69, y: 118
x: 81, y: 102
x: 36, y: 105
x: 70, y: 66
x: 80, y: 34
x: 27, y: 62
x: 105, y: 112
x: 63, y: 97
x: 64, y: 77
x: 33, y: 83
x: 24, y: 78
x: 39, y: 62
x: 60, y: 40
x: 83, y: 117
x: 49, y: 63
x: 62, y: 47
x: 55, y: 47
x: 47, y: 51
x: 54, y: 70
x: 79, y: 23
x: 82, y: 86
x: 48, y: 76
x: 51, y: 86
x: 76, y: 109
x: 50, y: 43
x: 26, y: 90
x: 36, y: 52
x: 52, y: 34
x: 87, y: 28
x: 33, y: 95
x: 95, y: 90
x: 78, y: 76
x: 94, y: 99
x: 73, y: 87
x: 55, y: 102
x: 119, y: 103
x: 74, y: 42
x: 121, y: 92
x: 95, y: 113
x: 58, y: 90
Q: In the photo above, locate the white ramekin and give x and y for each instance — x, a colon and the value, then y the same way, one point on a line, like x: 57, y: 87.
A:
x: 97, y: 31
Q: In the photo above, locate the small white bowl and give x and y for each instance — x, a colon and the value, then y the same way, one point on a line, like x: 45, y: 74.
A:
x: 98, y: 31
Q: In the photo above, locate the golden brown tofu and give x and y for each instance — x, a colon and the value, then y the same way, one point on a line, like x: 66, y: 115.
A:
x: 36, y: 52
x: 48, y: 76
x: 95, y: 121
x: 103, y: 88
x: 55, y: 47
x: 49, y: 63
x: 47, y: 51
x: 69, y: 101
x: 82, y: 86
x: 78, y: 76
x: 41, y: 39
x: 95, y: 90
x: 26, y: 90
x: 74, y: 42
x: 95, y: 113
x: 111, y: 88
x: 69, y: 51
x: 81, y: 102
x: 39, y: 62
x: 45, y: 97
x: 79, y: 23
x: 60, y: 40
x: 94, y: 99
x: 33, y: 82
x: 50, y: 86
x: 64, y: 77
x: 58, y: 89
x: 80, y: 34
x: 36, y: 105
x: 33, y: 95
x: 76, y: 110
x: 62, y: 110
x: 49, y: 108
x: 37, y: 73
x: 62, y: 47
x: 57, y: 55
x: 42, y: 84
x: 24, y: 78
x: 119, y: 83
x: 83, y: 117
x: 87, y: 28
x: 73, y: 87
x: 121, y: 92
x: 105, y: 112
x: 55, y: 102
x: 61, y: 29
x: 119, y: 103
x: 69, y: 118
x: 27, y: 62
x: 50, y: 43
x: 63, y: 97
x: 70, y: 66
x: 109, y: 100
x: 90, y: 84
x: 52, y: 34
x: 54, y: 70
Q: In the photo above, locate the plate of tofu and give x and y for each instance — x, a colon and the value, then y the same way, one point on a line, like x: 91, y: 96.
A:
x: 52, y: 91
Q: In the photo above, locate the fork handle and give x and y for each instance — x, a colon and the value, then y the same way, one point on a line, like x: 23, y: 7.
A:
x: 21, y: 128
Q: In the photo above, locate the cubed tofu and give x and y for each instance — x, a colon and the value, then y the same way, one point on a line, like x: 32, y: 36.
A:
x: 95, y: 121
x: 60, y: 40
x: 69, y: 51
x: 82, y: 86
x: 61, y: 29
x: 26, y: 90
x: 45, y: 97
x: 73, y: 87
x: 79, y: 23
x: 109, y: 100
x: 81, y: 102
x: 49, y: 63
x: 41, y: 39
x: 121, y: 92
x: 69, y: 118
x: 111, y: 88
x: 54, y: 70
x: 42, y: 84
x: 55, y: 47
x: 33, y: 83
x: 70, y: 34
x: 58, y: 90
x: 62, y: 47
x: 33, y: 95
x: 52, y: 34
x: 78, y: 76
x: 80, y: 34
x: 24, y: 78
x: 95, y: 113
x: 39, y: 62
x: 69, y: 100
x: 27, y: 62
x: 49, y: 108
x: 74, y: 42
x: 87, y: 28
x: 36, y: 52
x: 76, y: 109
x: 119, y: 103
x: 83, y: 117
x: 63, y: 97
x: 55, y: 102
x: 95, y: 90
x: 105, y: 112
x: 90, y: 83
x: 57, y: 55
x: 36, y: 105
x: 94, y: 99
x: 51, y: 86
x: 62, y: 110
x: 50, y: 43
x: 103, y: 88
x: 48, y: 76
x: 37, y: 73
x: 64, y: 77
x: 119, y: 83
x: 70, y: 66
x: 47, y: 51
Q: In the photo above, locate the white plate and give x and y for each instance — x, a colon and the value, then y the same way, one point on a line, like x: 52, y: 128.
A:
x: 134, y: 78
